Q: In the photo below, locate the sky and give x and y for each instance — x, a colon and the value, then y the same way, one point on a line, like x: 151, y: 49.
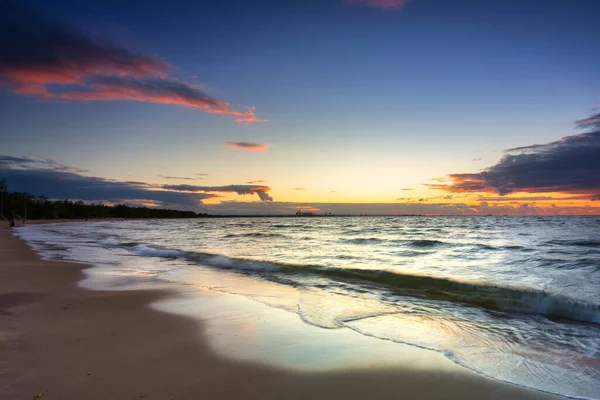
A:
x: 270, y: 106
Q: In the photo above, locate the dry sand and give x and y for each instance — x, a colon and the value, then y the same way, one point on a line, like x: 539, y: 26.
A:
x: 64, y: 342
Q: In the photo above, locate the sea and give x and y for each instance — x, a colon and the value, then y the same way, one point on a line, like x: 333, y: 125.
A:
x: 516, y: 299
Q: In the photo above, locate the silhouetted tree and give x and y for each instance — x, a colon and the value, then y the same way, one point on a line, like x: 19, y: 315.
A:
x: 41, y: 207
x: 3, y: 193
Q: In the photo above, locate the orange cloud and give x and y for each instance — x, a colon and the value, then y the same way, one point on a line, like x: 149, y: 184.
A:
x: 569, y: 165
x: 153, y: 90
x: 51, y: 61
x: 383, y: 4
x: 462, y: 183
x: 261, y: 191
x: 253, y: 182
x: 248, y: 146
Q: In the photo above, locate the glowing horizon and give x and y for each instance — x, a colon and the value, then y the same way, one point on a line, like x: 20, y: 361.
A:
x: 400, y: 116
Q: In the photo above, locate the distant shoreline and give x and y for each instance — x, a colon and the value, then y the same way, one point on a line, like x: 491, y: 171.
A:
x: 47, y: 221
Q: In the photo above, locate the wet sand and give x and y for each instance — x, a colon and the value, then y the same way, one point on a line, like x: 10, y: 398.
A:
x: 64, y: 342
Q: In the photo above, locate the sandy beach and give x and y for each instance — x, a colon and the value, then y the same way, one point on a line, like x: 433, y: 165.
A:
x: 63, y: 342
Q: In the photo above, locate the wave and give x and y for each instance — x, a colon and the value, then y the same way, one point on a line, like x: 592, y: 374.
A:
x: 528, y: 301
x: 147, y: 251
x: 110, y: 243
x: 370, y: 240
x: 240, y: 265
x: 514, y: 247
x: 288, y: 226
x: 253, y: 234
x: 490, y: 297
x: 578, y: 243
x: 426, y: 243
x: 483, y: 246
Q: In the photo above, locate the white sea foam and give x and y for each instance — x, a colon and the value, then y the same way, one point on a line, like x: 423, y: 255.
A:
x: 147, y: 251
x: 109, y: 243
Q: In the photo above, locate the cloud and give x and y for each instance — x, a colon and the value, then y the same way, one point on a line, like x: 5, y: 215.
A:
x: 180, y: 178
x: 476, y: 159
x: 25, y: 163
x: 51, y: 60
x: 253, y: 182
x: 261, y: 191
x: 517, y: 199
x: 569, y: 165
x: 5, y: 160
x: 299, y: 188
x: 247, y: 146
x: 383, y: 4
x: 61, y: 185
x: 44, y: 177
x: 461, y: 183
x: 408, y: 189
x: 593, y: 121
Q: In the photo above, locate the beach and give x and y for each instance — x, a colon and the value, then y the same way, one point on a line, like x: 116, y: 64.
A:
x: 64, y: 342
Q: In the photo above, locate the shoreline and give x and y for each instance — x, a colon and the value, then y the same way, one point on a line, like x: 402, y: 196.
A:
x: 65, y: 342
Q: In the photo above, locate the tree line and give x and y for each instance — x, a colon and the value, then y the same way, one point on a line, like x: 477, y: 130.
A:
x: 24, y: 205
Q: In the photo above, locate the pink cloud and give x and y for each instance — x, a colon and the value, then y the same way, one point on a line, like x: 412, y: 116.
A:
x: 247, y: 146
x: 51, y: 61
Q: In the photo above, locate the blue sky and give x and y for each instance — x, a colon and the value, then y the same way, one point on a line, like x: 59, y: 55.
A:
x: 360, y: 100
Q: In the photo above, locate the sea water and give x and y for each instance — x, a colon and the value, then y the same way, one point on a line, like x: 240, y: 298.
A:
x: 513, y: 298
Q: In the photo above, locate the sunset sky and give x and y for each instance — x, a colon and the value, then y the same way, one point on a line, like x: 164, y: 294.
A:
x: 267, y: 106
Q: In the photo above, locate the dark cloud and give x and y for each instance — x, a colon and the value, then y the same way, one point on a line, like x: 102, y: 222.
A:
x: 54, y: 61
x: 34, y: 49
x: 590, y: 122
x: 569, y: 165
x: 261, y: 191
x: 15, y: 160
x: 58, y: 181
x: 24, y: 162
x: 61, y: 185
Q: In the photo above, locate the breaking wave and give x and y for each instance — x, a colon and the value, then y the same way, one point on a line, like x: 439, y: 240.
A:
x: 490, y: 297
